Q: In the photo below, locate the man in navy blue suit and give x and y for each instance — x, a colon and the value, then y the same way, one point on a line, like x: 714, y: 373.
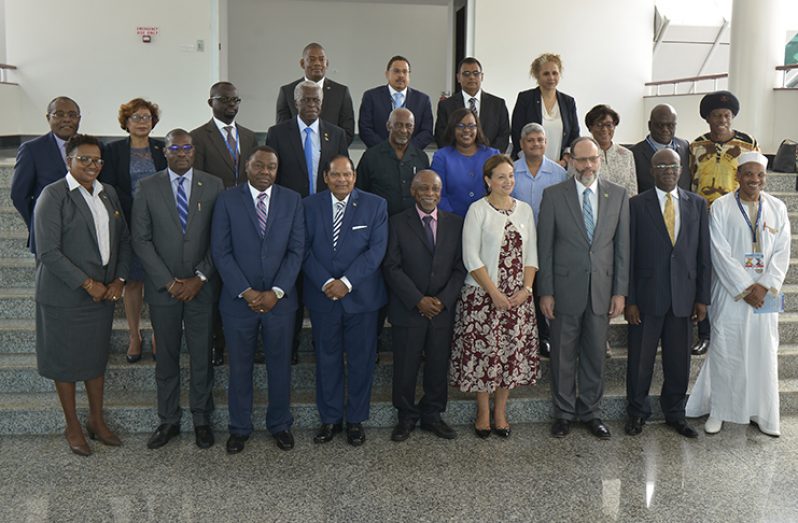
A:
x: 378, y: 103
x: 42, y: 161
x: 669, y: 290
x: 347, y: 235
x: 257, y: 243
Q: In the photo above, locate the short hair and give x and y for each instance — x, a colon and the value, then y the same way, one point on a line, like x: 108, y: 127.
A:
x: 58, y: 98
x: 263, y: 149
x: 583, y: 139
x: 598, y: 113
x: 493, y: 162
x: 455, y: 118
x: 540, y: 61
x: 174, y: 133
x: 418, y: 175
x: 338, y: 157
x: 397, y: 58
x: 468, y: 60
x: 127, y: 110
x: 312, y: 45
x: 307, y: 84
x: 81, y: 139
x: 217, y: 85
x: 532, y: 127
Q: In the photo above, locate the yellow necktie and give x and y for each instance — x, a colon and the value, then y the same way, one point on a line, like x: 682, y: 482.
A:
x: 670, y: 218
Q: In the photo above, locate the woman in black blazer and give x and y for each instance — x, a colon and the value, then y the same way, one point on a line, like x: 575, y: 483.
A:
x: 127, y: 161
x: 545, y: 105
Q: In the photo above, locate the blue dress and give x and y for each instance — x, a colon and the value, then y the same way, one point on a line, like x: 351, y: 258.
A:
x: 461, y: 176
x: 141, y: 166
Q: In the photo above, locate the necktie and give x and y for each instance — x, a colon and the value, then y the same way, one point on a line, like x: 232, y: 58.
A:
x: 398, y: 100
x: 309, y: 158
x: 337, y: 220
x: 472, y: 105
x: 232, y: 146
x: 670, y: 218
x: 587, y: 212
x: 260, y: 209
x: 182, y: 204
x: 428, y: 231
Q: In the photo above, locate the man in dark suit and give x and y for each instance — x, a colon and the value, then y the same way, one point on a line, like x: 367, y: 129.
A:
x: 424, y: 271
x: 583, y: 249
x: 219, y: 147
x: 662, y: 135
x: 337, y: 107
x: 378, y: 103
x: 669, y: 290
x: 304, y: 145
x: 257, y: 244
x: 491, y: 110
x: 42, y: 161
x: 347, y: 234
x: 171, y: 231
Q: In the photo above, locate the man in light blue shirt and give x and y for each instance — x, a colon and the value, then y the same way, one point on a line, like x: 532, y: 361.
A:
x: 533, y: 171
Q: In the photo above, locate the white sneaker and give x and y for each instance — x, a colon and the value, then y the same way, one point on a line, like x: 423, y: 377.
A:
x: 713, y: 425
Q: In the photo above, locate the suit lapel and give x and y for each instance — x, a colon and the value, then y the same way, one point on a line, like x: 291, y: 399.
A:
x: 602, y: 199
x: 684, y: 213
x: 537, y: 105
x: 274, y: 206
x: 197, y: 187
x: 349, y: 218
x: 114, y: 214
x: 418, y: 228
x: 165, y: 189
x: 56, y: 152
x: 83, y: 208
x: 249, y: 207
x: 653, y: 209
x: 326, y: 153
x: 219, y: 143
x: 296, y: 145
x: 572, y: 200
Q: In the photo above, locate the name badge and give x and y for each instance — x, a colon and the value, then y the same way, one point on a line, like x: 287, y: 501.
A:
x: 755, y: 261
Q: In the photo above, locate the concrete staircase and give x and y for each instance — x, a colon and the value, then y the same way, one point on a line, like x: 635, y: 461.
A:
x: 28, y: 404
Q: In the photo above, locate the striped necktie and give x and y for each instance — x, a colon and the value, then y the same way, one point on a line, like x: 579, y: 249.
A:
x: 472, y: 105
x: 337, y: 220
x: 182, y: 204
x: 260, y: 209
x: 587, y: 211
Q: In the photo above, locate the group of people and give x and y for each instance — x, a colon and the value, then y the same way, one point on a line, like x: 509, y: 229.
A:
x: 482, y: 262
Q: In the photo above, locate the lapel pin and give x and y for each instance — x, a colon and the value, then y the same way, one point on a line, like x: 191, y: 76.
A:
x: 199, y: 184
x: 326, y: 137
x: 116, y: 214
x: 606, y: 195
x: 354, y: 204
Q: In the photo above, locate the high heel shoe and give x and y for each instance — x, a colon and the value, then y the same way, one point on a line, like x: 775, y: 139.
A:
x: 503, y: 432
x: 81, y: 449
x: 482, y: 433
x: 133, y: 358
x: 110, y: 439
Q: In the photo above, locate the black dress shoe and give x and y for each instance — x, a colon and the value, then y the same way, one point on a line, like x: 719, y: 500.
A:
x: 633, y: 425
x: 259, y: 358
x: 162, y: 435
x: 482, y: 433
x: 285, y: 440
x: 701, y: 347
x: 326, y: 432
x: 544, y: 348
x: 598, y: 429
x: 440, y: 429
x: 355, y: 435
x: 402, y: 431
x: 683, y: 428
x: 560, y: 428
x: 502, y: 433
x: 235, y: 443
x: 217, y: 357
x: 204, y: 436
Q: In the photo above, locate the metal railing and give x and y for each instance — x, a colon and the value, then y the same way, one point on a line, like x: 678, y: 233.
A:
x: 4, y: 68
x: 789, y: 76
x: 690, y: 85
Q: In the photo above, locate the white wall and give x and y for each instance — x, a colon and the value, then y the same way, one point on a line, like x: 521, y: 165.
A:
x: 9, y: 108
x: 266, y: 41
x: 605, y: 48
x: 92, y: 53
x: 785, y: 123
x: 3, y: 31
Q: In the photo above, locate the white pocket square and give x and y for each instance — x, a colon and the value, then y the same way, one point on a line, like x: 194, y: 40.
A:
x: 356, y: 227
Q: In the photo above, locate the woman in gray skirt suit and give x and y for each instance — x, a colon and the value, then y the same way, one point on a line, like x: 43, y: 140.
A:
x: 82, y: 257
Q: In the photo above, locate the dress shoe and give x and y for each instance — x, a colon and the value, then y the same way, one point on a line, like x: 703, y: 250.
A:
x: 683, y: 428
x: 634, y: 425
x: 544, y: 348
x: 481, y: 433
x: 439, y: 428
x: 162, y: 435
x: 133, y: 358
x: 80, y: 448
x: 259, y: 358
x: 598, y: 428
x: 108, y: 438
x: 204, y: 436
x: 701, y: 347
x: 402, y: 431
x: 285, y: 440
x: 608, y: 351
x: 235, y: 443
x: 326, y: 432
x: 560, y: 428
x: 713, y: 425
x: 355, y: 435
x: 502, y: 432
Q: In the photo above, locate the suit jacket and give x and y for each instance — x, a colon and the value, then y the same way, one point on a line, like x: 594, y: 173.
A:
x: 67, y: 251
x: 493, y: 117
x: 577, y: 273
x: 643, y: 152
x: 158, y: 240
x: 212, y: 156
x: 528, y: 108
x: 376, y: 107
x: 413, y: 271
x: 244, y: 259
x: 336, y: 107
x: 361, y: 248
x: 116, y: 169
x: 663, y: 275
x: 292, y: 170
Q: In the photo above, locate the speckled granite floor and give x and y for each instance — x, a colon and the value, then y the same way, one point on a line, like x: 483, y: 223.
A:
x: 737, y: 475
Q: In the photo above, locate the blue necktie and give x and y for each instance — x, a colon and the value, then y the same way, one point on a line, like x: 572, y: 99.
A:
x: 397, y: 100
x: 587, y: 211
x: 309, y: 157
x: 182, y: 204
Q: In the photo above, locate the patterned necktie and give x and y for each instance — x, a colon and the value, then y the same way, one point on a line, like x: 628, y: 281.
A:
x: 232, y: 146
x: 670, y: 218
x: 182, y: 204
x: 398, y: 100
x: 337, y: 220
x: 587, y: 212
x: 428, y: 231
x: 472, y: 105
x: 309, y: 158
x: 260, y: 209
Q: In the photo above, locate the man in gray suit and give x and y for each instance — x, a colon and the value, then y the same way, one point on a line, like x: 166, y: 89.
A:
x: 583, y: 250
x: 171, y: 230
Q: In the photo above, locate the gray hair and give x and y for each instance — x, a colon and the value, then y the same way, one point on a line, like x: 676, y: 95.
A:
x: 306, y: 84
x: 392, y: 116
x: 532, y: 127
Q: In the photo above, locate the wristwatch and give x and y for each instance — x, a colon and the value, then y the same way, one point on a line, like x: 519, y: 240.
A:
x: 278, y: 292
x: 201, y: 276
x: 529, y: 290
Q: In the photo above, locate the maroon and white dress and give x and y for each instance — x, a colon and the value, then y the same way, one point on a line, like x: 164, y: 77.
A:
x: 491, y: 348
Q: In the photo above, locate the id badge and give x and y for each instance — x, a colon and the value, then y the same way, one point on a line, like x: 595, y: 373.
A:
x: 755, y: 261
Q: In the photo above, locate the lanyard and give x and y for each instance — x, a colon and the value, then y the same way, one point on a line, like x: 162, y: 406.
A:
x: 233, y: 153
x: 745, y: 215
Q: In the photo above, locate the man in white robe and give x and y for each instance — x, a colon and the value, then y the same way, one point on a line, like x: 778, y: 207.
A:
x: 750, y: 240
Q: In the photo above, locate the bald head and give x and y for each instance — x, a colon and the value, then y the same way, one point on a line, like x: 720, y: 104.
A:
x: 666, y: 168
x: 426, y: 190
x: 662, y: 123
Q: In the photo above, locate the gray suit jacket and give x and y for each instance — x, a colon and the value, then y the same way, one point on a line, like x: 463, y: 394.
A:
x: 158, y: 240
x: 572, y: 270
x: 67, y: 251
x: 211, y: 154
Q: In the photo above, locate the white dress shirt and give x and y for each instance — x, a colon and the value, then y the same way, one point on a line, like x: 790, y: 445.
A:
x: 99, y: 214
x: 675, y: 198
x: 580, y: 190
x: 255, y: 193
x: 477, y: 98
x: 188, y: 177
x: 394, y: 91
x: 221, y: 125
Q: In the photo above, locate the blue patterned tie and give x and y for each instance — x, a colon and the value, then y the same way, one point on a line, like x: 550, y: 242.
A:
x: 337, y: 220
x: 309, y: 157
x: 182, y: 204
x: 587, y: 211
x: 398, y: 100
x: 260, y: 209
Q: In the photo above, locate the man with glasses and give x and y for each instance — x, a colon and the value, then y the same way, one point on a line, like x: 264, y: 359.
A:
x: 42, y: 161
x: 491, y: 110
x: 662, y: 135
x: 378, y: 103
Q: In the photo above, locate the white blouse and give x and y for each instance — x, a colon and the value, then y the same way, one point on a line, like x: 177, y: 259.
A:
x: 552, y: 124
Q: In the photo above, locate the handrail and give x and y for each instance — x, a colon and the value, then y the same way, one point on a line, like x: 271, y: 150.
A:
x: 6, y: 66
x: 789, y: 67
x: 688, y: 79
x: 785, y: 69
x: 4, y: 74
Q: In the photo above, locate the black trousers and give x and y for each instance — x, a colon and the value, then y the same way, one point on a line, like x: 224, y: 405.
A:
x: 543, y: 322
x: 704, y: 328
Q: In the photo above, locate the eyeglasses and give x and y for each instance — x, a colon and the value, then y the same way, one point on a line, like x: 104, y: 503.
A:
x: 604, y: 125
x: 140, y: 117
x: 85, y: 161
x: 464, y: 126
x: 227, y: 99
x: 308, y: 100
x: 177, y: 148
x: 667, y: 166
x: 400, y: 71
x: 591, y: 159
x: 60, y: 115
x: 469, y: 74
